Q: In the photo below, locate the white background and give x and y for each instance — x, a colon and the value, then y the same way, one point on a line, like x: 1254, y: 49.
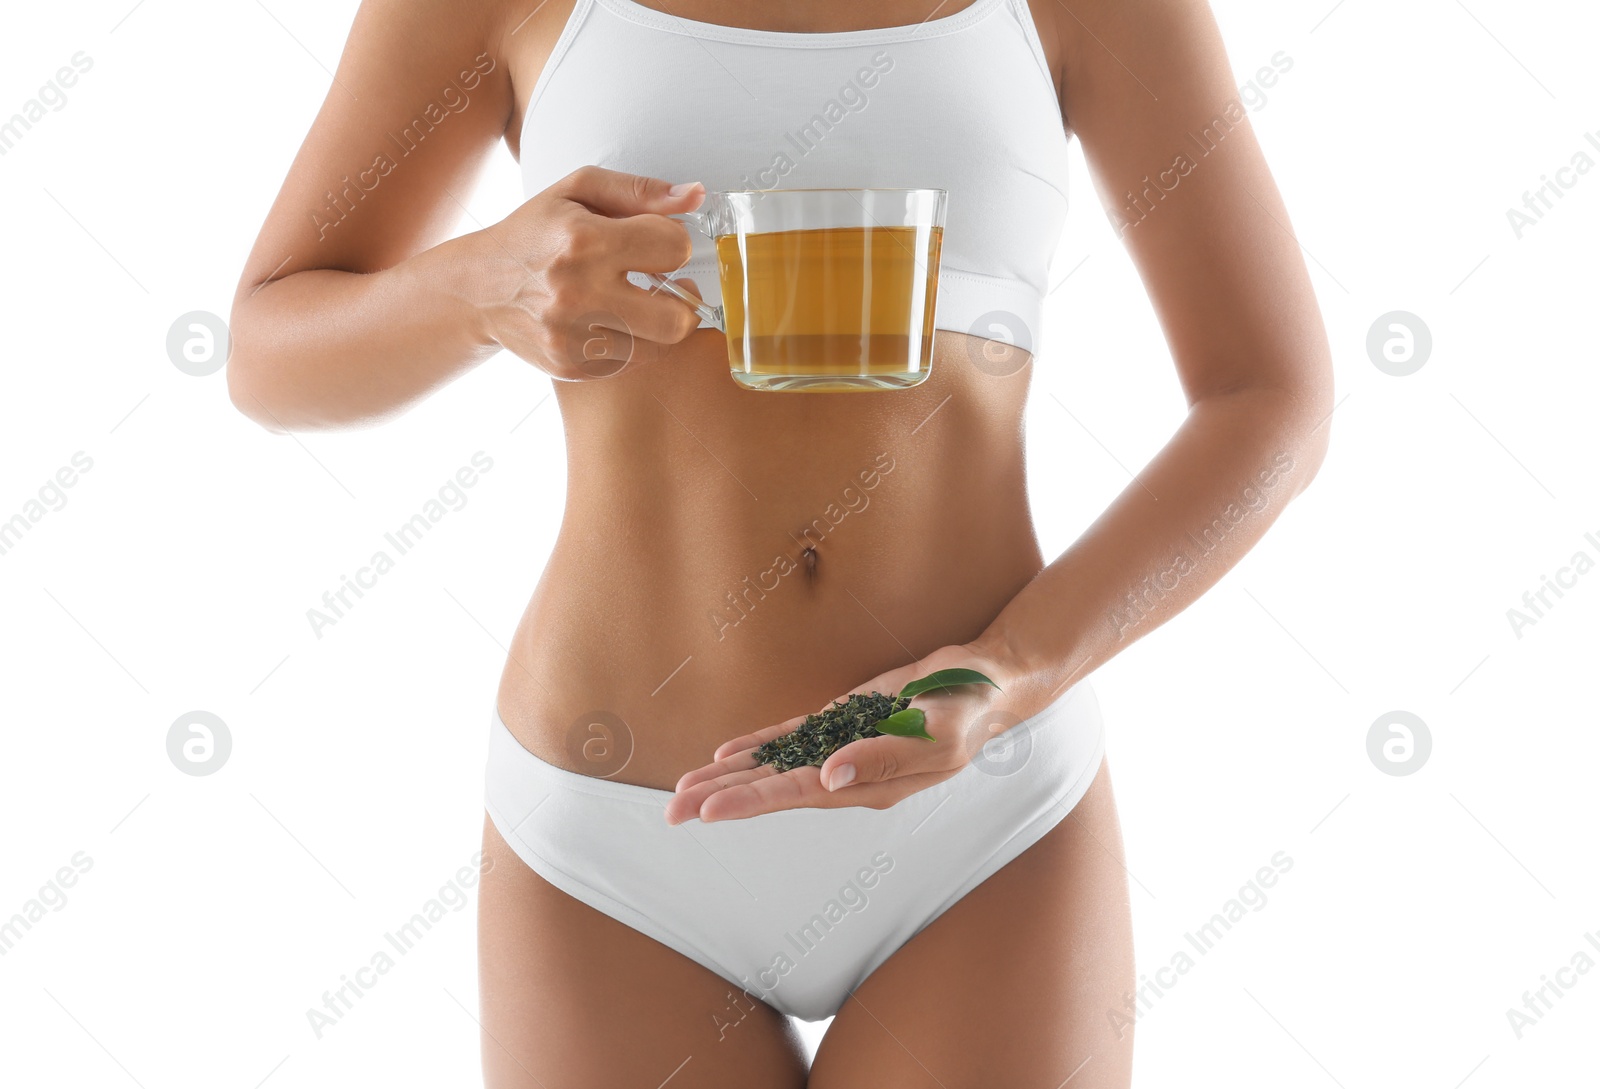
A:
x: 177, y: 576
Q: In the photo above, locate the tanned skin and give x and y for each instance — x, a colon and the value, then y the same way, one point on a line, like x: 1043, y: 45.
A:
x: 681, y: 484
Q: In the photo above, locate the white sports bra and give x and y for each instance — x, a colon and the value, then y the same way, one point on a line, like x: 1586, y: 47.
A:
x: 963, y: 103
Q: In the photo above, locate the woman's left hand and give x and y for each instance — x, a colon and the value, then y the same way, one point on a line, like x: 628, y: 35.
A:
x: 875, y: 772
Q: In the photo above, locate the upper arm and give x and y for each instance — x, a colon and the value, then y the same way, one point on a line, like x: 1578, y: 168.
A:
x: 1149, y: 92
x: 420, y: 99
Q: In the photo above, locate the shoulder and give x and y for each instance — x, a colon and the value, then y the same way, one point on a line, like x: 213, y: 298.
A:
x: 440, y: 35
x: 1081, y: 34
x: 499, y: 44
x: 449, y: 18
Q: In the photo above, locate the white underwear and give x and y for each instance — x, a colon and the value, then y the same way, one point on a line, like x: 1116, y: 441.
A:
x: 796, y: 908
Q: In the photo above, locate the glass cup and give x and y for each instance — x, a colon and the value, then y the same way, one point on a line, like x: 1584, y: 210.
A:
x: 823, y: 290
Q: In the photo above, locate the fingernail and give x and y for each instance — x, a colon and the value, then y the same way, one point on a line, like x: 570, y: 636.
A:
x: 843, y: 776
x: 682, y: 189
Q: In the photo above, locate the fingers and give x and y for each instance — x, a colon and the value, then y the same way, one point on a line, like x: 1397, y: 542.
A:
x: 733, y: 764
x: 562, y: 299
x: 879, y: 759
x: 643, y: 243
x: 765, y: 794
x: 802, y: 788
x: 614, y: 193
x: 760, y: 737
x: 728, y: 794
x: 650, y: 314
x: 736, y: 761
x: 687, y: 801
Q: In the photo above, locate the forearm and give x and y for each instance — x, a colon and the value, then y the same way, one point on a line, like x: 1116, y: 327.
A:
x: 1193, y: 512
x: 323, y: 347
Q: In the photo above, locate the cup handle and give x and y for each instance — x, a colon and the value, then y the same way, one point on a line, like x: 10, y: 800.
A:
x: 707, y: 312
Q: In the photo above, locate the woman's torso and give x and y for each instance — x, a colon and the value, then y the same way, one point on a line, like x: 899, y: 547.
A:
x: 728, y: 559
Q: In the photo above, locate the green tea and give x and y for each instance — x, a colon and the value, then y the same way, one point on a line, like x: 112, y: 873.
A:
x: 826, y: 732
x: 830, y: 308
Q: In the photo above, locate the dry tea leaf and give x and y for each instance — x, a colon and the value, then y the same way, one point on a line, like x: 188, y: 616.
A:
x: 862, y: 715
x: 826, y: 732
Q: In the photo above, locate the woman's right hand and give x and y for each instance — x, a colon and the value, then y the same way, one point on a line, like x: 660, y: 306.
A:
x: 358, y: 299
x: 558, y: 294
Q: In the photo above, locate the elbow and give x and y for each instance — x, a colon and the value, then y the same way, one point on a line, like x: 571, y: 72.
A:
x: 243, y: 394
x: 1313, y: 451
x: 242, y: 368
x: 1290, y: 418
x: 1313, y: 416
x: 259, y: 385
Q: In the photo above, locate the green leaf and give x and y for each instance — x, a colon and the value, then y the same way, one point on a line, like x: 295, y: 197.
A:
x: 944, y: 678
x: 908, y: 723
